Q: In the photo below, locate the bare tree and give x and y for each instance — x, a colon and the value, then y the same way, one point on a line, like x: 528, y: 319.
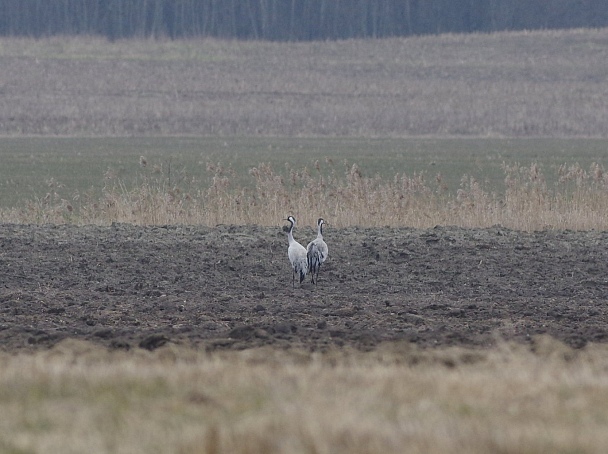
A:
x: 291, y: 20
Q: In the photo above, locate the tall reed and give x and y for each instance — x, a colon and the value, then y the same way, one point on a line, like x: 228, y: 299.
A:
x: 341, y: 193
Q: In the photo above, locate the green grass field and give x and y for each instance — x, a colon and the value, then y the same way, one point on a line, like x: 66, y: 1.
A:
x: 73, y: 165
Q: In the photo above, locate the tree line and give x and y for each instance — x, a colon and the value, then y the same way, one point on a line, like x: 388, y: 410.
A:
x: 290, y: 20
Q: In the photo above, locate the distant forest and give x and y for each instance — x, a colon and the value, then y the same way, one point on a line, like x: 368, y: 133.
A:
x: 290, y: 20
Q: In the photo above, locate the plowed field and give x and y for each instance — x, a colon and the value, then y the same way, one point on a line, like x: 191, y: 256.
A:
x: 230, y: 287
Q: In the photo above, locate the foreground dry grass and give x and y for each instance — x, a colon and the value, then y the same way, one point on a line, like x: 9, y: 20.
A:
x: 342, y: 194
x: 79, y: 398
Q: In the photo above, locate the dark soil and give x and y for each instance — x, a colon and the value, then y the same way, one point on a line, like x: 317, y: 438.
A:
x: 230, y: 287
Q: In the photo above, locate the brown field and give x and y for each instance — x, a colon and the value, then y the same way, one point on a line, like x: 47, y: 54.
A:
x: 160, y: 317
x: 229, y: 287
x: 548, y: 83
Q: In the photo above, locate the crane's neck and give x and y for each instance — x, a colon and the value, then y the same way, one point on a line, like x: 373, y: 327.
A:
x: 290, y: 234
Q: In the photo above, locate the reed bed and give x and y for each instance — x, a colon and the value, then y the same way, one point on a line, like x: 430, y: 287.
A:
x: 340, y: 192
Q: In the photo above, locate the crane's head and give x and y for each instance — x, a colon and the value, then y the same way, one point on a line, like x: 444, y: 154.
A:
x: 292, y: 221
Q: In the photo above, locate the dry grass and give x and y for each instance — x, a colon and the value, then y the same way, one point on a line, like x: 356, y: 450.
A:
x: 543, y: 83
x: 341, y: 193
x: 79, y: 398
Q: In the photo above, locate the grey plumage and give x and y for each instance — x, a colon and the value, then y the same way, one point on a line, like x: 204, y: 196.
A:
x: 316, y: 253
x: 296, y: 253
